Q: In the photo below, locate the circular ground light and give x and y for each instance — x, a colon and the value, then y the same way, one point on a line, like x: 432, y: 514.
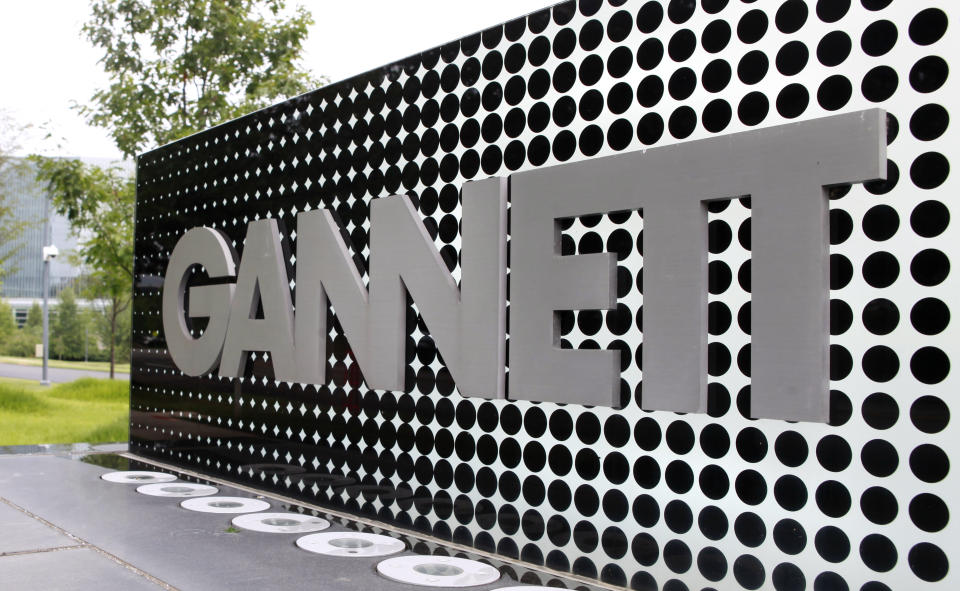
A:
x: 137, y: 477
x: 438, y: 571
x: 177, y: 489
x: 225, y: 505
x: 350, y: 544
x: 281, y: 523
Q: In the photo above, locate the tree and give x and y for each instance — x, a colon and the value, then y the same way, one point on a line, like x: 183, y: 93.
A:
x: 112, y: 331
x: 23, y: 342
x: 175, y: 67
x: 67, y: 334
x: 8, y: 326
x: 179, y: 66
x: 92, y: 341
x: 34, y: 321
x: 113, y: 290
x: 11, y: 229
x: 99, y: 204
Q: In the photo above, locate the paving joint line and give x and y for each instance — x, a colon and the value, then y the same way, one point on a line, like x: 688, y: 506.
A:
x: 81, y: 543
x: 44, y: 550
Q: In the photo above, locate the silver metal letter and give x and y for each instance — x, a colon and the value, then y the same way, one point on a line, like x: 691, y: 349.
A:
x: 468, y: 324
x: 543, y: 282
x: 207, y: 248
x: 326, y: 270
x: 262, y: 280
x: 784, y: 170
x: 790, y: 267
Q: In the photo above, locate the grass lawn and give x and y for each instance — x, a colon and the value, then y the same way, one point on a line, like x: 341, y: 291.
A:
x: 103, y: 366
x: 86, y: 410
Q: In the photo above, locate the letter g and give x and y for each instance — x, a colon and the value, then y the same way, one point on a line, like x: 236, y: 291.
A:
x: 208, y: 248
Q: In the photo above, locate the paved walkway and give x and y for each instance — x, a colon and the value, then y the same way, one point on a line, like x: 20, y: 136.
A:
x: 57, y: 375
x: 63, y: 528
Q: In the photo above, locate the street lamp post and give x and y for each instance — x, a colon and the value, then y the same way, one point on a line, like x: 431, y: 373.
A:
x: 49, y: 253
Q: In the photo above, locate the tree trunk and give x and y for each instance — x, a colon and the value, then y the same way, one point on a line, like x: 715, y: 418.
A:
x: 113, y: 334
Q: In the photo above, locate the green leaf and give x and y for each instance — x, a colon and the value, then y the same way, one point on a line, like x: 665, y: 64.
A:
x: 180, y: 66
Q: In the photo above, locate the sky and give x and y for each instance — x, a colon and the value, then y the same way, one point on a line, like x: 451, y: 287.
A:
x: 47, y: 67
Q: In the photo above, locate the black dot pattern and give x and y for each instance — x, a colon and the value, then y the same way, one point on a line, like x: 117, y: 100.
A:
x: 632, y: 498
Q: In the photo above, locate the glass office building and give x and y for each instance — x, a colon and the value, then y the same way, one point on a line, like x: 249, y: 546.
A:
x: 30, y: 204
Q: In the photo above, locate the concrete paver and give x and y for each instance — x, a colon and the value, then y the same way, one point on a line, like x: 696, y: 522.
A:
x: 21, y: 533
x: 76, y: 569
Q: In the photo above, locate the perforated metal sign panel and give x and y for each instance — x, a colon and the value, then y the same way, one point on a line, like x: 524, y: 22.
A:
x: 643, y: 499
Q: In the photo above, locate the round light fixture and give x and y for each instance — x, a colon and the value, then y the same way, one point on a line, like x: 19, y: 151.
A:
x: 281, y: 523
x: 438, y: 571
x: 177, y: 489
x: 350, y: 543
x: 137, y: 477
x: 225, y: 505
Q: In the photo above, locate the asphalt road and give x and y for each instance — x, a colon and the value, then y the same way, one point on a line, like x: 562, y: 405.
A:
x: 56, y: 374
